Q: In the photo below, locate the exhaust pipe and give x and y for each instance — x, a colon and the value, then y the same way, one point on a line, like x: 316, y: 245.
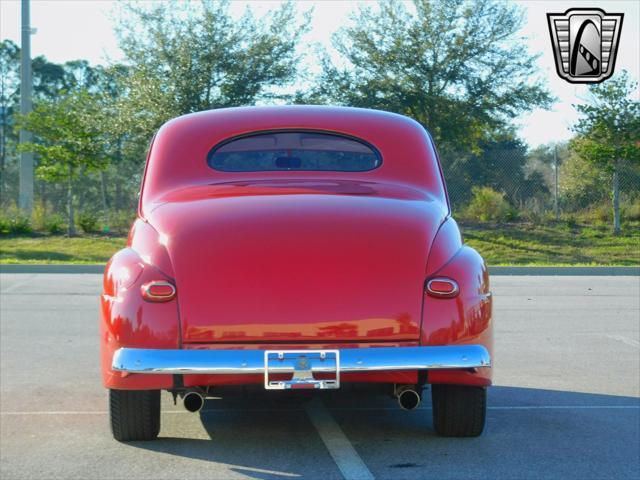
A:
x: 193, y: 401
x: 408, y: 397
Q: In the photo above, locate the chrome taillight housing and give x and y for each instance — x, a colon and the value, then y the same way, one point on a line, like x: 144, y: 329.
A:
x: 442, y: 287
x: 158, y: 291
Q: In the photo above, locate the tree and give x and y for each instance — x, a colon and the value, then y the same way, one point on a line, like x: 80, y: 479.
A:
x: 9, y: 100
x: 546, y: 162
x: 188, y: 57
x: 583, y: 184
x: 455, y: 66
x: 50, y: 80
x: 69, y: 141
x: 121, y: 148
x: 608, y: 132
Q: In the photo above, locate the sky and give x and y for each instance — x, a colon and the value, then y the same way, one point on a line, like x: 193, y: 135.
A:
x: 75, y: 29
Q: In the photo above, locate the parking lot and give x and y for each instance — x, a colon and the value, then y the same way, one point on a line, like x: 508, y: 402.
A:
x: 566, y: 400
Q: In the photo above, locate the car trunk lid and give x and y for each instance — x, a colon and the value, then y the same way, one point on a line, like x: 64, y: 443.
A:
x: 299, y: 261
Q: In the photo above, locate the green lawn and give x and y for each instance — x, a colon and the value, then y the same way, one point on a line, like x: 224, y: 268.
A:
x: 527, y: 244
x: 58, y: 249
x: 507, y: 244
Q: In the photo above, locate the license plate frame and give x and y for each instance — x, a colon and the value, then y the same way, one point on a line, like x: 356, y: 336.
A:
x: 302, y: 364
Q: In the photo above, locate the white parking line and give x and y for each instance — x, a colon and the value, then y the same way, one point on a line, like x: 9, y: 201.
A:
x: 347, y: 459
x: 626, y: 340
x: 17, y: 285
x: 269, y: 473
x: 70, y: 412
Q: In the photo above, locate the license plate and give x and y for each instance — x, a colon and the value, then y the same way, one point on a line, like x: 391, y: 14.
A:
x: 301, y: 369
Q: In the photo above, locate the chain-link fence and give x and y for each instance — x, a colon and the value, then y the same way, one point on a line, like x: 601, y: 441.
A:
x: 501, y: 184
x: 510, y: 184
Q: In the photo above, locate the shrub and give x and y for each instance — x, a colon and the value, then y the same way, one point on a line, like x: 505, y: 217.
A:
x: 20, y: 224
x: 582, y: 183
x: 631, y: 210
x: 121, y: 220
x: 487, y: 205
x: 600, y: 213
x: 39, y: 216
x: 88, y: 221
x: 14, y: 221
x: 532, y: 216
x: 54, y: 224
x: 5, y: 225
x: 549, y: 217
x: 570, y: 220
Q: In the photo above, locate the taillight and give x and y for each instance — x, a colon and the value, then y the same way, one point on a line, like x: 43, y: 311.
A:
x: 442, y: 287
x: 158, y: 291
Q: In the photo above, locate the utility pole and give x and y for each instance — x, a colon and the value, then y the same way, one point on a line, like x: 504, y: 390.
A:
x: 555, y: 168
x: 25, y: 200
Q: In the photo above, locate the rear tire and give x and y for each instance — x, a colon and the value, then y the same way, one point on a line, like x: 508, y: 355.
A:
x: 134, y: 414
x: 459, y: 410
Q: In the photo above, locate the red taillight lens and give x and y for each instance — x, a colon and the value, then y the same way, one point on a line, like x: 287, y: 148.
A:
x: 442, y: 287
x: 158, y: 291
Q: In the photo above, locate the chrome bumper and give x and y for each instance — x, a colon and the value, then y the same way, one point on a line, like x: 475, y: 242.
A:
x: 136, y: 360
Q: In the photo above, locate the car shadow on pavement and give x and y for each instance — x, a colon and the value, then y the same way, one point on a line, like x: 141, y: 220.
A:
x: 268, y: 435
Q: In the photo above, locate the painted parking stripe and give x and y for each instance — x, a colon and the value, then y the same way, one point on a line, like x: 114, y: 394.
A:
x: 18, y: 284
x: 626, y: 340
x: 347, y: 459
x: 248, y: 410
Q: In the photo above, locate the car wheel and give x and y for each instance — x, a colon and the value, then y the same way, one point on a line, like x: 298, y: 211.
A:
x: 134, y: 414
x: 459, y: 410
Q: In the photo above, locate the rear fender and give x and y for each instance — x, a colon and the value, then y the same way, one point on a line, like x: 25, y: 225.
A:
x: 446, y: 244
x: 127, y: 320
x: 463, y: 319
x: 151, y: 246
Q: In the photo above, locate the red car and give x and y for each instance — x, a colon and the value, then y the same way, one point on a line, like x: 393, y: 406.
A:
x: 296, y: 248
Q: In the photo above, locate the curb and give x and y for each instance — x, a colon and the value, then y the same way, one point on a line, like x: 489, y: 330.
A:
x: 542, y: 271
x: 566, y: 271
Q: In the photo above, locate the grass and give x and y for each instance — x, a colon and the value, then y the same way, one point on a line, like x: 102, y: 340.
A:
x: 59, y: 249
x: 554, y: 244
x: 500, y: 244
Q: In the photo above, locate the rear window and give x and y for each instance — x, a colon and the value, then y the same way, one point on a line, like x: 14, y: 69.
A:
x: 294, y: 151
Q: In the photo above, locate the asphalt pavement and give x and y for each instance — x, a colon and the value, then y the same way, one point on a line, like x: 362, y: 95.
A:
x: 566, y: 400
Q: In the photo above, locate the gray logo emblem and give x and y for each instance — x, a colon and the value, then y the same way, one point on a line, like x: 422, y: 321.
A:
x: 585, y: 43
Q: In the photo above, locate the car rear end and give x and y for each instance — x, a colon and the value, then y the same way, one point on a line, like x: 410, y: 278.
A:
x: 314, y: 253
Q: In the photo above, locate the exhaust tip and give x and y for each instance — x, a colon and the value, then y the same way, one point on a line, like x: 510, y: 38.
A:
x: 408, y: 399
x: 193, y: 401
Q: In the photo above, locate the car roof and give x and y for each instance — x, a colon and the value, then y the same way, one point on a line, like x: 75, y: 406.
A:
x: 178, y: 155
x: 297, y: 113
